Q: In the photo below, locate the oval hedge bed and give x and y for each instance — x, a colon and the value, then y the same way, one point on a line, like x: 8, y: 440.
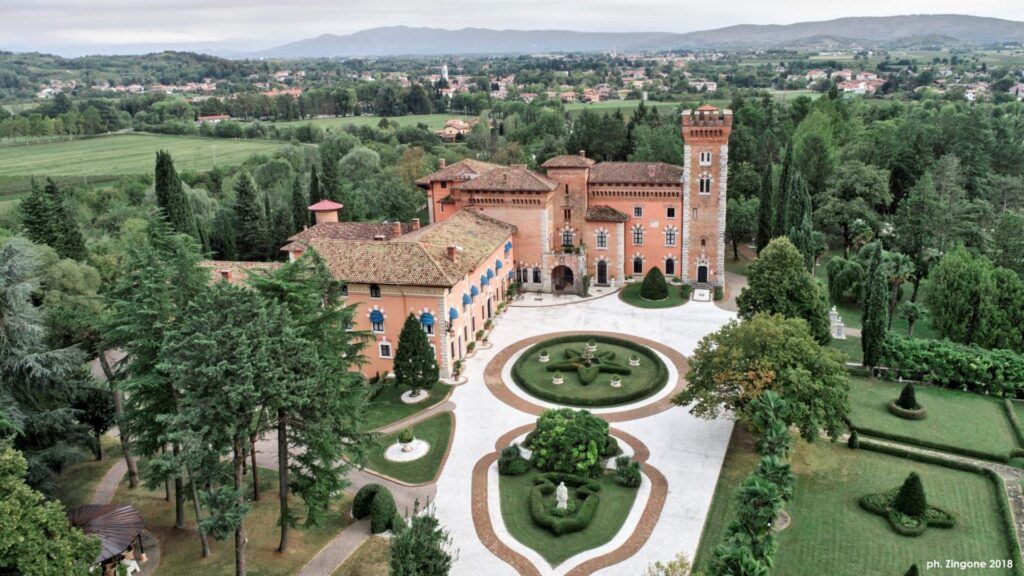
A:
x: 630, y: 294
x: 589, y: 385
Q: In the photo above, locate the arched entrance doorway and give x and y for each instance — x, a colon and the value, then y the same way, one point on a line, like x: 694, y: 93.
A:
x: 702, y: 274
x: 602, y: 272
x: 562, y: 278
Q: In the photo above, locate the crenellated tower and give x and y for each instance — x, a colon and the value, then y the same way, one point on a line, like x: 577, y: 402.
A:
x: 705, y: 177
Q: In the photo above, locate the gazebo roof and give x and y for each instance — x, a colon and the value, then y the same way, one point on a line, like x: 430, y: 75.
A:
x: 116, y: 526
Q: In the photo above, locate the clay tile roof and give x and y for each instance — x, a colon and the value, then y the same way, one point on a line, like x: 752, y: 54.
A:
x: 418, y: 258
x: 601, y: 213
x: 346, y: 231
x: 508, y: 179
x: 325, y: 205
x: 635, y: 173
x: 568, y: 161
x: 707, y: 108
x: 237, y: 272
x: 462, y: 170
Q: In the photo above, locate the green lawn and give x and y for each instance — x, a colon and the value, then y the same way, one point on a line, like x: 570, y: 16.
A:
x: 180, y: 554
x: 850, y: 347
x: 615, y: 503
x: 630, y: 294
x: 736, y: 266
x: 370, y: 559
x: 77, y: 482
x: 436, y: 431
x: 433, y: 121
x: 958, y: 420
x: 124, y: 154
x: 388, y: 407
x: 829, y: 529
x: 644, y: 380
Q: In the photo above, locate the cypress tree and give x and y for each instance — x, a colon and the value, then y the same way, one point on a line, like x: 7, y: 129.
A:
x: 780, y: 198
x: 765, y: 218
x: 37, y: 214
x: 912, y: 571
x: 798, y: 219
x: 300, y: 204
x: 49, y: 220
x: 250, y: 224
x: 908, y: 398
x: 171, y: 198
x: 314, y: 194
x: 910, y: 500
x: 876, y: 310
x: 415, y: 365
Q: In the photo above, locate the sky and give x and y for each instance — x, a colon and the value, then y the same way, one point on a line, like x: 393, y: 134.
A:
x: 94, y: 26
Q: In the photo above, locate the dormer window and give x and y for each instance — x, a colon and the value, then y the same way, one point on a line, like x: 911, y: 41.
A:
x: 374, y: 291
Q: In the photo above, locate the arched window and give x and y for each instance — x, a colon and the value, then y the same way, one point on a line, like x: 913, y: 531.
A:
x: 602, y: 239
x: 670, y: 236
x: 638, y: 265
x: 670, y: 267
x: 705, y: 185
x: 536, y: 275
x: 374, y: 291
x: 377, y: 321
x: 638, y: 235
x: 566, y: 237
x: 427, y: 321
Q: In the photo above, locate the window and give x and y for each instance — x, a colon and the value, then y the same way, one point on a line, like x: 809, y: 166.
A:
x: 638, y: 265
x: 602, y: 239
x: 444, y: 185
x: 670, y: 212
x: 704, y: 186
x: 705, y: 158
x: 638, y: 235
x: 377, y: 325
x: 638, y: 211
x: 536, y: 275
x: 670, y: 236
x: 567, y: 238
x: 374, y: 291
x: 703, y: 242
x: 344, y: 289
x: 567, y: 213
x: 385, y: 349
x: 693, y: 214
x: 427, y: 321
x: 670, y: 267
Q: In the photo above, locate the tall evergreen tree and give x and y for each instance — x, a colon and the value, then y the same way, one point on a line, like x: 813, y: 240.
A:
x: 875, y: 318
x: 250, y: 220
x: 781, y: 198
x: 300, y: 205
x: 422, y: 549
x: 415, y: 364
x: 37, y: 212
x: 314, y: 194
x: 49, y: 220
x: 766, y: 204
x: 171, y: 198
x: 798, y: 219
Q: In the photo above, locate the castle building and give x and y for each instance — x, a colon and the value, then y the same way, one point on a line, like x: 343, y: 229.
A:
x: 491, y: 226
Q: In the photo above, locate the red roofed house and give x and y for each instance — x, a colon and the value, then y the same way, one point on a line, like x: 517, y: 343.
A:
x: 213, y: 119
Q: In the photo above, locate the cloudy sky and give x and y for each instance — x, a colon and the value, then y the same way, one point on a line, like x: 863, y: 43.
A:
x: 69, y: 26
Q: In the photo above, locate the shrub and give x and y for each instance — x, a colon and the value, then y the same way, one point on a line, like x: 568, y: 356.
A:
x: 908, y: 399
x: 654, y: 286
x: 382, y: 512
x: 944, y: 363
x: 854, y: 440
x: 910, y: 500
x: 719, y: 294
x: 479, y: 334
x: 471, y: 346
x: 544, y: 515
x: 363, y: 499
x: 488, y: 324
x: 896, y: 410
x: 511, y: 462
x: 685, y: 291
x: 570, y: 441
x: 406, y: 436
x: 611, y: 448
x: 912, y: 571
x: 627, y: 472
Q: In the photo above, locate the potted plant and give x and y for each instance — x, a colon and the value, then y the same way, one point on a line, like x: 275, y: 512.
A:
x: 479, y: 334
x: 616, y: 381
x: 405, y: 438
x: 591, y: 345
x: 488, y: 324
x: 457, y: 369
x: 471, y: 346
x: 634, y: 360
x: 543, y: 357
x: 558, y: 379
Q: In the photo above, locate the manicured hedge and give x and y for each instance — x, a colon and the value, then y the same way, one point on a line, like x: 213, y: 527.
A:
x: 376, y: 501
x: 363, y: 499
x: 586, y: 490
x: 993, y: 456
x: 896, y: 410
x: 883, y: 505
x: 952, y: 365
x: 1015, y: 423
x: 511, y: 462
x: 572, y: 400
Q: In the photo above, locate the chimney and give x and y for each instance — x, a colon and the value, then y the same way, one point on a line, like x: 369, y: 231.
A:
x: 396, y: 229
x: 651, y: 168
x: 583, y: 153
x: 441, y: 164
x: 453, y: 253
x: 415, y: 223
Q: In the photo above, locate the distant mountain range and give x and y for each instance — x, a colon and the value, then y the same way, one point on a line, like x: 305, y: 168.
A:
x: 883, y: 31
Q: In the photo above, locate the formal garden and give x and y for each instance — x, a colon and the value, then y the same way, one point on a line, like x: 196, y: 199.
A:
x: 566, y: 488
x: 414, y: 454
x: 655, y: 292
x: 590, y: 371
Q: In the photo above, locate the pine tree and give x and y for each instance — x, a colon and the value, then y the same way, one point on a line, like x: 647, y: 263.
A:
x: 300, y: 205
x: 49, y: 220
x: 314, y: 195
x: 913, y: 571
x: 910, y: 500
x: 37, y: 214
x: 765, y: 217
x: 171, y: 198
x: 876, y: 310
x: 250, y: 220
x: 415, y: 365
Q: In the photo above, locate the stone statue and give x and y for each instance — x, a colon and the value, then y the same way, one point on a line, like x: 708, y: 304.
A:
x: 561, y: 496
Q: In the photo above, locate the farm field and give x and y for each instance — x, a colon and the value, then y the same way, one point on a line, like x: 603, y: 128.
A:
x: 433, y: 121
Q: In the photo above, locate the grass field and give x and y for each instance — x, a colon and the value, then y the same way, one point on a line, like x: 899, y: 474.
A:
x: 630, y: 294
x: 436, y: 431
x: 370, y: 559
x: 850, y: 347
x: 829, y: 529
x: 388, y: 407
x: 955, y: 419
x: 77, y: 482
x: 433, y: 121
x: 616, y: 501
x: 180, y: 554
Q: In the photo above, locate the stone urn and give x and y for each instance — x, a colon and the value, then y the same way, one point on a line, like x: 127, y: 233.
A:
x: 616, y: 381
x: 591, y: 346
x: 634, y: 360
x: 544, y: 357
x: 558, y: 379
x: 407, y: 440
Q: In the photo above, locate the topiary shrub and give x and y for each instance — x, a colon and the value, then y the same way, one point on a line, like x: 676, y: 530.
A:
x: 907, y: 509
x: 363, y: 499
x: 685, y: 290
x: 654, y: 286
x: 854, y: 440
x: 511, y: 462
x: 719, y: 294
x: 382, y: 512
x: 627, y: 472
x: 910, y: 500
x: 908, y: 398
x: 570, y: 441
x: 912, y: 571
x: 406, y: 436
x: 559, y: 522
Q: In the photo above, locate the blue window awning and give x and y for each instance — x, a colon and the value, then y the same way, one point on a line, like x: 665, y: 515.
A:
x: 474, y: 291
x: 490, y: 273
x: 466, y: 299
x: 498, y: 265
x: 376, y: 316
x: 483, y: 280
x: 453, y: 314
x: 427, y: 319
x: 508, y: 246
